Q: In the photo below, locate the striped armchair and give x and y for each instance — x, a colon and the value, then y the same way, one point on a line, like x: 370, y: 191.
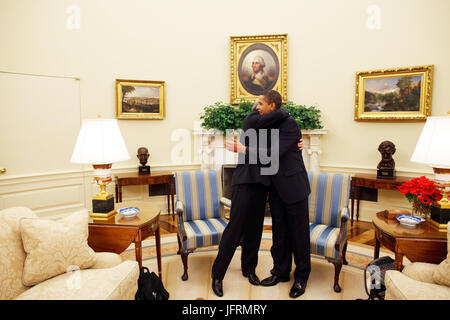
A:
x: 200, y: 213
x: 328, y: 215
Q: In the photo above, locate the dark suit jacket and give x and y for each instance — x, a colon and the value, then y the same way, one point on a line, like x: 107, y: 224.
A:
x: 291, y: 180
x: 245, y: 171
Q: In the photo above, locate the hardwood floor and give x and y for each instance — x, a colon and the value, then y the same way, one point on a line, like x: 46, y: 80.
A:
x: 361, y: 232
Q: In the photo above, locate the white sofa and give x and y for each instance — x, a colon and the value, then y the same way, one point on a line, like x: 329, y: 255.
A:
x: 109, y: 278
x: 420, y: 281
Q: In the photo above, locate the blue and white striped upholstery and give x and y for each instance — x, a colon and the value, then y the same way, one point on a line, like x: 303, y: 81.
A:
x: 200, y: 192
x: 203, y: 233
x: 329, y: 195
x: 328, y: 202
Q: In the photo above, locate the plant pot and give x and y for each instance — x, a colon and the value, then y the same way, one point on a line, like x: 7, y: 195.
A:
x: 421, y: 210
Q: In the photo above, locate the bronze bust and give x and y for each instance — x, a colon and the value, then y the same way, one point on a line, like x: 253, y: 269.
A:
x: 386, y: 166
x: 143, y: 155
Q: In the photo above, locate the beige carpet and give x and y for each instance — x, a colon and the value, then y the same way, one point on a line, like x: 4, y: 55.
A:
x: 236, y: 287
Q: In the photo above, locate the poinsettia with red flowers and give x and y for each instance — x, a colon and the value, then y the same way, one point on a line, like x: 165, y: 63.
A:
x: 420, y: 189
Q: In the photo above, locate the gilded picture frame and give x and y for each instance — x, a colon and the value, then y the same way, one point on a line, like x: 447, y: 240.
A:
x: 394, y: 94
x: 258, y: 64
x: 140, y: 99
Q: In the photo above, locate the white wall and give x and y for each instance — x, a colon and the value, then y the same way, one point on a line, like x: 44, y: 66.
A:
x: 186, y: 44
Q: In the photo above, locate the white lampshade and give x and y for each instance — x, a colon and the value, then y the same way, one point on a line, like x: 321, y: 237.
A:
x: 433, y: 146
x: 99, y: 142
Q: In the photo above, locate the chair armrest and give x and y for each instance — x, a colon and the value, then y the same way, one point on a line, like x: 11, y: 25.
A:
x: 225, y: 202
x: 179, y: 209
x: 343, y: 229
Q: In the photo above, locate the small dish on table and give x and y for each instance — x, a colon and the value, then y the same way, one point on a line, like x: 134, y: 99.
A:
x: 409, y: 221
x: 129, y: 212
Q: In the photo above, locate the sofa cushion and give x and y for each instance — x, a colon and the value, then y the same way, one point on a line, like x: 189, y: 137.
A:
x: 106, y: 260
x: 401, y: 287
x: 442, y: 273
x: 420, y: 271
x: 54, y: 247
x: 118, y: 283
x: 11, y: 252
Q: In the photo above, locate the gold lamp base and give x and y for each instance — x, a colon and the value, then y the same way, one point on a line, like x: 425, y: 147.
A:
x: 103, y: 216
x: 103, y: 202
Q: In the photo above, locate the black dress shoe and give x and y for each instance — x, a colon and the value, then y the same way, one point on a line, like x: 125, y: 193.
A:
x: 252, y: 278
x: 217, y: 287
x: 273, y: 280
x: 298, y: 288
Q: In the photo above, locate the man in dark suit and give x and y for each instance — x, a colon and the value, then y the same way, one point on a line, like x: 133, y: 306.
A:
x: 288, y: 199
x: 248, y: 202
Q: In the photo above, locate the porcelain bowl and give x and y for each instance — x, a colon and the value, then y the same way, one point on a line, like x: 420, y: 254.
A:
x: 129, y: 212
x: 408, y: 220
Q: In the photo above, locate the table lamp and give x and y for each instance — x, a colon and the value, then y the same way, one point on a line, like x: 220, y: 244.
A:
x: 100, y: 143
x: 433, y: 148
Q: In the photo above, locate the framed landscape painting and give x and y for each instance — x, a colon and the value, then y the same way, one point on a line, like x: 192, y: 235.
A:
x: 258, y: 64
x: 140, y: 99
x: 394, y: 94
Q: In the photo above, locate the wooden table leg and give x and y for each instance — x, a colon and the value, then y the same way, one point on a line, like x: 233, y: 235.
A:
x: 120, y: 192
x: 358, y: 192
x: 173, y: 207
x: 352, y: 188
x: 168, y: 198
x: 138, y: 249
x: 158, y: 250
x: 376, y: 252
x: 398, y: 259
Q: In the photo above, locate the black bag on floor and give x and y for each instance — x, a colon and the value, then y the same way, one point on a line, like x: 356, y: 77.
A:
x: 150, y: 287
x: 377, y: 270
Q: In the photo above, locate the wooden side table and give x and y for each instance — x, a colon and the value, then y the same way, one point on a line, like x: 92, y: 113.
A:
x: 371, y: 181
x: 162, y: 177
x: 424, y: 243
x: 116, y: 235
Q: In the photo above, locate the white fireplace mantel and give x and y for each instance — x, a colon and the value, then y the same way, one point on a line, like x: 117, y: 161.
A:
x: 210, y: 152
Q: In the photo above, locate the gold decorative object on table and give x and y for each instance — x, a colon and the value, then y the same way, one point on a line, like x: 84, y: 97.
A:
x: 433, y: 148
x: 258, y: 64
x: 394, y: 94
x: 100, y: 143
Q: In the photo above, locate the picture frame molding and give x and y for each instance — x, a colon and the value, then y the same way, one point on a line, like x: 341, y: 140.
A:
x: 137, y: 115
x: 426, y: 71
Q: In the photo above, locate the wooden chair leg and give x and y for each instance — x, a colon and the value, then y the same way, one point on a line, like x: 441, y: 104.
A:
x: 337, y: 271
x: 179, y: 245
x: 344, y: 252
x: 184, y: 256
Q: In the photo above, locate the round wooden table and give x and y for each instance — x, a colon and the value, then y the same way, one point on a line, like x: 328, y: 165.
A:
x: 116, y: 235
x: 424, y: 243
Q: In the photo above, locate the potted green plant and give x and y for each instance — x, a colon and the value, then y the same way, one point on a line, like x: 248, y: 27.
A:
x: 308, y: 118
x: 223, y: 116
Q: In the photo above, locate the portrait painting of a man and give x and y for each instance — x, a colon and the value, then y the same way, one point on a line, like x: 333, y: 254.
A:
x: 258, y: 69
x: 258, y: 65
